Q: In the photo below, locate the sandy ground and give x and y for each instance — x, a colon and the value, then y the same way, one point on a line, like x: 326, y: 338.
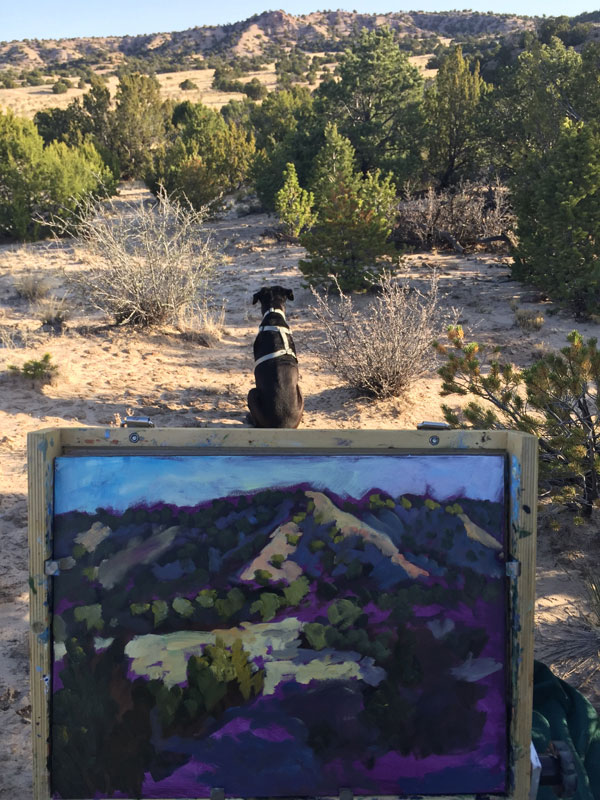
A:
x: 104, y: 371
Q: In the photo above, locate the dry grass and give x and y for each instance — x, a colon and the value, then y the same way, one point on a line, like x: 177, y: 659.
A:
x: 592, y: 585
x: 32, y: 286
x: 203, y: 323
x: 53, y: 311
x: 529, y: 320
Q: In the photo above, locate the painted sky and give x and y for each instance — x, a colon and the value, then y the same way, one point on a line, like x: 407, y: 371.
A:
x: 64, y: 18
x: 85, y: 483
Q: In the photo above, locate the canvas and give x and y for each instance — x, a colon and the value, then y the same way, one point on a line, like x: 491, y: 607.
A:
x: 279, y: 625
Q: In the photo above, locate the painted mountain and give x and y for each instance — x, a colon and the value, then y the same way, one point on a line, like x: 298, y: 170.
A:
x: 279, y: 626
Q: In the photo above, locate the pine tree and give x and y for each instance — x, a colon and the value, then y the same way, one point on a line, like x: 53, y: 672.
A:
x: 451, y: 106
x: 37, y: 182
x: 293, y: 204
x: 376, y: 101
x: 556, y: 399
x: 209, y: 158
x: 139, y: 123
x: 355, y: 216
x: 557, y: 201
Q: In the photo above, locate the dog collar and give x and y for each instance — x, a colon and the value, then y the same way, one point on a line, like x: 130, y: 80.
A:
x: 274, y: 311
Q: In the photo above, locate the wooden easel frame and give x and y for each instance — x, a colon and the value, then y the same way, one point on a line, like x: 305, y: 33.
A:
x: 521, y: 449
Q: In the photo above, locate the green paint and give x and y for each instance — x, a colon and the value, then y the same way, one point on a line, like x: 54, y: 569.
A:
x: 343, y: 613
x: 262, y: 576
x: 206, y: 598
x: 32, y: 585
x: 183, y: 607
x: 296, y: 591
x: 139, y: 608
x: 315, y: 633
x: 160, y: 610
x: 267, y: 605
x: 91, y: 615
x: 234, y: 602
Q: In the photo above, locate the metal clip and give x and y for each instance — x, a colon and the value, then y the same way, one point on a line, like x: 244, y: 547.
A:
x: 137, y: 422
x: 513, y: 569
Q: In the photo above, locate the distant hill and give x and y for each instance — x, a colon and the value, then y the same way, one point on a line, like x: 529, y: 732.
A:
x: 259, y: 35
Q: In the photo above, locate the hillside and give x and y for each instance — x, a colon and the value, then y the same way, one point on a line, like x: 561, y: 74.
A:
x: 258, y: 35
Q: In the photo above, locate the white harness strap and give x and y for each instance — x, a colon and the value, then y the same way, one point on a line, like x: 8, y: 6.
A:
x: 285, y: 335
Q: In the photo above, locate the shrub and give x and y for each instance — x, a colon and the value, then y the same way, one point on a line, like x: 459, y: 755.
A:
x: 210, y: 158
x: 60, y: 87
x: 146, y: 264
x: 382, y: 359
x: 556, y: 399
x: 557, y: 201
x: 293, y: 204
x: 529, y: 320
x: 139, y: 123
x: 255, y: 90
x: 36, y: 370
x: 187, y: 85
x: 467, y: 214
x: 354, y: 219
x: 37, y: 182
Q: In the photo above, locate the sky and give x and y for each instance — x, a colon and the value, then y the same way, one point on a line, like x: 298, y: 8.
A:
x: 42, y: 19
x: 85, y: 483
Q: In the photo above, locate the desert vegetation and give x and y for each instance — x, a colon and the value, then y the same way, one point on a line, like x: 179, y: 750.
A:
x: 384, y: 195
x: 383, y: 158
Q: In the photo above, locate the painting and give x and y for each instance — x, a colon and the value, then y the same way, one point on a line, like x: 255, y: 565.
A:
x: 279, y: 625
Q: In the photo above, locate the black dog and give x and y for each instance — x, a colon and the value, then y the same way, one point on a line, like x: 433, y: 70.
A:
x: 277, y: 401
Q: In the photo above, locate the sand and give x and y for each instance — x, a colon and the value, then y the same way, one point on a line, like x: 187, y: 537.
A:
x: 105, y: 371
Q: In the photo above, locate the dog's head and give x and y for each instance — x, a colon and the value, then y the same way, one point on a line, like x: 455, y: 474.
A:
x: 272, y: 297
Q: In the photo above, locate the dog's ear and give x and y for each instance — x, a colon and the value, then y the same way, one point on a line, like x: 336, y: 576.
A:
x: 289, y: 294
x: 256, y: 297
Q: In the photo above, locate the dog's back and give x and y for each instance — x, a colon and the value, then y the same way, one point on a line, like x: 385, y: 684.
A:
x: 277, y: 401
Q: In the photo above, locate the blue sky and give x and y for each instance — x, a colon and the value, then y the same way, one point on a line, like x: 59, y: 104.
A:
x: 87, y: 482
x: 42, y: 19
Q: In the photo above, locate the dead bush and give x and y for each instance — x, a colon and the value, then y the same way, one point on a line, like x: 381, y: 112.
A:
x: 458, y: 217
x: 384, y: 349
x: 146, y: 262
x: 31, y: 286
